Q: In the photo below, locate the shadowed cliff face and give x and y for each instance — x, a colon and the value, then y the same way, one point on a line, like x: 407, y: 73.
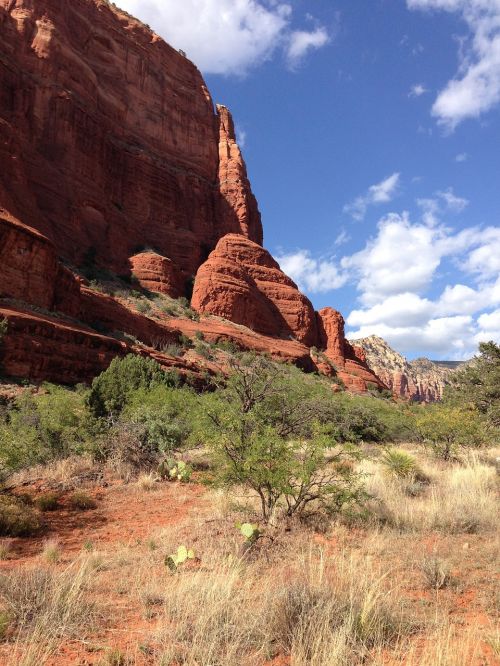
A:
x: 109, y: 139
x: 112, y: 154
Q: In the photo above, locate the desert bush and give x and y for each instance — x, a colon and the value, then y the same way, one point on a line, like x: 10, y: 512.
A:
x: 128, y: 452
x: 436, y: 572
x: 165, y: 413
x: 48, y: 501
x: 264, y: 429
x: 49, y: 425
x: 147, y: 482
x: 403, y: 465
x: 112, y: 387
x: 82, y: 501
x: 143, y: 306
x: 16, y: 518
x: 447, y: 429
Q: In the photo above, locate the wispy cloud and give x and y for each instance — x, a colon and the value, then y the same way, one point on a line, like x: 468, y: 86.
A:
x: 476, y: 87
x: 382, y: 192
x: 417, y: 90
x: 461, y: 157
x: 302, y: 41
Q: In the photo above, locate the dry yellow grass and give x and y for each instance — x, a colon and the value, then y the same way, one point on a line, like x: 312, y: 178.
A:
x: 372, y: 594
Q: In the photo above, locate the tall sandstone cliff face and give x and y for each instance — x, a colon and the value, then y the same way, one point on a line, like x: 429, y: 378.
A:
x: 109, y: 141
x: 112, y: 154
x: 420, y: 380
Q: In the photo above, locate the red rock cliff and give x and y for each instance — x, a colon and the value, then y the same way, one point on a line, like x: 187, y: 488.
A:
x: 109, y: 141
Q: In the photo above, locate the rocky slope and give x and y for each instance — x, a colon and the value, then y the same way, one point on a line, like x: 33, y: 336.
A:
x: 115, y: 161
x: 420, y: 380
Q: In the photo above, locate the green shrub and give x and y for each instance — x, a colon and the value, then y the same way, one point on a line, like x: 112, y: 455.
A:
x: 47, y: 502
x: 37, y: 428
x: 399, y: 463
x: 111, y: 388
x: 82, y: 501
x: 4, y: 326
x: 166, y: 414
x: 143, y: 306
x: 447, y: 429
x: 266, y: 429
x: 17, y: 519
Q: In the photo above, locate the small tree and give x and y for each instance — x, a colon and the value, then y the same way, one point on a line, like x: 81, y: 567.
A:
x: 266, y: 428
x: 479, y: 384
x: 111, y: 388
x: 448, y: 428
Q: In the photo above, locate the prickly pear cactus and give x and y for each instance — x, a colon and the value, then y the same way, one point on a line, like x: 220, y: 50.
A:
x: 250, y: 531
x: 182, y: 555
x: 174, y: 470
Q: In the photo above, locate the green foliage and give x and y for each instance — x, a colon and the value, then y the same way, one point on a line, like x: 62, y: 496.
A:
x: 143, y: 306
x: 36, y: 428
x: 166, y: 415
x: 16, y: 518
x: 479, y: 384
x: 447, y: 429
x: 182, y: 555
x: 266, y: 429
x: 112, y: 387
x: 250, y: 531
x: 399, y: 463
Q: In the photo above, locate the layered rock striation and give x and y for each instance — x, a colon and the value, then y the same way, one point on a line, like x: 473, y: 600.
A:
x: 109, y: 142
x: 420, y: 380
x: 240, y: 281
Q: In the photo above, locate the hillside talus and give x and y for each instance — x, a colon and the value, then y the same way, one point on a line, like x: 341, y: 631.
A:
x: 114, y: 161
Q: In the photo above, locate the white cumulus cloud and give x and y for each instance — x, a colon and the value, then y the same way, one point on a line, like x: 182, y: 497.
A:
x: 382, y: 192
x: 475, y: 89
x: 312, y: 275
x: 228, y: 36
x: 395, y: 276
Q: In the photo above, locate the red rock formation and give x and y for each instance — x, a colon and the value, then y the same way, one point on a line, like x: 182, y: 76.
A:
x: 241, y: 282
x: 420, y: 380
x: 234, y: 185
x: 349, y: 362
x: 157, y: 274
x: 109, y: 141
x: 29, y: 270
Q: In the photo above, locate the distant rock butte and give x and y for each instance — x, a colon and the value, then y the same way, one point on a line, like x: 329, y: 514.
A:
x: 113, y: 156
x: 420, y: 380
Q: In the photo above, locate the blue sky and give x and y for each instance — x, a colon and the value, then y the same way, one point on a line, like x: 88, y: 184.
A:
x: 371, y: 132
